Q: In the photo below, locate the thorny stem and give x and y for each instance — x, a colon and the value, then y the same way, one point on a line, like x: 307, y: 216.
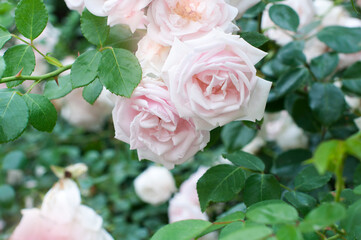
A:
x: 47, y: 76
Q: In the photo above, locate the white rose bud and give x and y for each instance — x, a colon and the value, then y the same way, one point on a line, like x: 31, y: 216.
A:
x: 155, y: 185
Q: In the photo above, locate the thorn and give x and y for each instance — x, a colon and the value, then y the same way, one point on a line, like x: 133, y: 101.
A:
x: 19, y: 73
x: 78, y: 54
x: 56, y: 78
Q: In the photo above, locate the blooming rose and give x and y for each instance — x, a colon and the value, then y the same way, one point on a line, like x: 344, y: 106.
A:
x: 213, y: 80
x: 242, y: 5
x: 306, y: 12
x: 129, y: 12
x: 149, y: 122
x: 155, y: 185
x: 359, y: 2
x: 151, y: 56
x: 188, y: 19
x: 61, y: 217
x: 280, y: 127
x: 79, y: 112
x: 77, y: 5
x: 185, y: 204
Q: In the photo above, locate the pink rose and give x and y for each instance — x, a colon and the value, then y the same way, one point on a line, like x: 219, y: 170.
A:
x: 80, y: 113
x: 61, y: 217
x: 188, y: 19
x: 149, y: 122
x: 185, y: 204
x: 213, y: 80
x: 151, y: 56
x: 129, y: 12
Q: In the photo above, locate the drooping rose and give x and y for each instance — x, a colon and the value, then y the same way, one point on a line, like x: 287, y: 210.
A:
x: 306, y: 12
x: 61, y: 217
x: 155, y: 185
x: 242, y: 5
x: 80, y: 113
x: 150, y: 123
x: 188, y: 19
x: 129, y: 12
x: 151, y: 56
x: 77, y: 5
x: 213, y: 81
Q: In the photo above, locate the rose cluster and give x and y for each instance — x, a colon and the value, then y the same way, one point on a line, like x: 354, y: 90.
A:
x: 196, y: 75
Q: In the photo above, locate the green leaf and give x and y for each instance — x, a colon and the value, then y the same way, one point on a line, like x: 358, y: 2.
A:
x: 288, y: 232
x: 353, y: 145
x: 288, y: 163
x: 246, y: 160
x: 324, y: 65
x: 298, y: 107
x: 235, y: 135
x: 219, y: 184
x: 341, y: 39
x: 4, y: 36
x: 119, y: 71
x: 14, y: 116
x: 309, y: 179
x: 225, y: 221
x: 251, y: 232
x: 256, y: 39
x: 7, y: 195
x: 85, y: 68
x: 31, y: 18
x: 92, y: 91
x: 352, y: 79
x: 14, y: 160
x: 290, y: 81
x: 327, y: 102
x: 43, y: 114
x: 301, y: 201
x: 94, y: 29
x: 17, y: 58
x: 284, y: 16
x: 273, y: 213
x: 230, y: 228
x: 352, y: 221
x: 260, y: 187
x: 53, y: 91
x: 2, y: 67
x: 329, y: 156
x: 323, y: 216
x: 183, y: 230
x: 292, y: 54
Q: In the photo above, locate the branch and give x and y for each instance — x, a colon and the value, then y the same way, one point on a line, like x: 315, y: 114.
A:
x: 37, y: 78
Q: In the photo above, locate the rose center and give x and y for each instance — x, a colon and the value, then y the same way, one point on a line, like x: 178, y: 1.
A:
x: 188, y: 10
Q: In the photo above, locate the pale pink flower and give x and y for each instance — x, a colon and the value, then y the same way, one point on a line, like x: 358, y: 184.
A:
x: 61, y: 217
x: 213, y: 81
x: 306, y: 12
x: 281, y: 128
x: 185, y: 204
x: 129, y: 12
x: 188, y: 19
x: 358, y: 123
x: 155, y: 185
x: 150, y: 123
x: 151, y: 56
x: 80, y: 113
